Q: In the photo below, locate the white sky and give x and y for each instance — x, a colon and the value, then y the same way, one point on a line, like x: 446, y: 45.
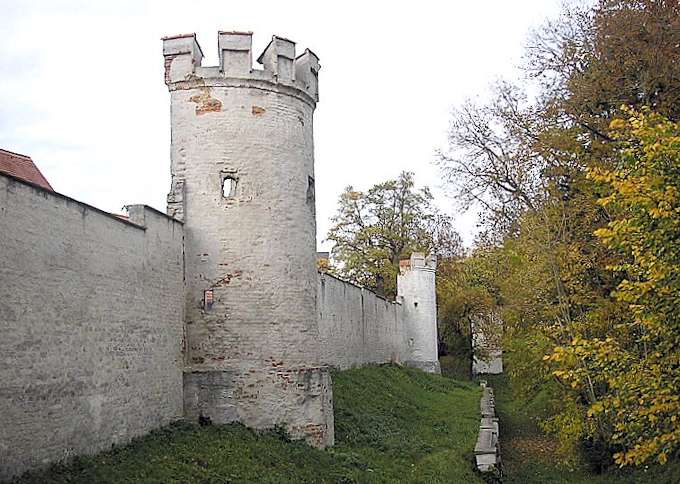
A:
x: 82, y: 92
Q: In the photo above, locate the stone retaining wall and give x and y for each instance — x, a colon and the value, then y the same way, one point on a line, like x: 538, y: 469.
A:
x: 487, y: 450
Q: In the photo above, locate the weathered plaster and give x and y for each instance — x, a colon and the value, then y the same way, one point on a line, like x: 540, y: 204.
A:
x: 253, y: 355
x: 91, y: 317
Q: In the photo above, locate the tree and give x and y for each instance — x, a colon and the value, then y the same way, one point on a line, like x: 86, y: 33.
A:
x: 372, y: 231
x: 541, y: 165
x: 639, y: 364
x: 467, y: 293
x: 492, y: 160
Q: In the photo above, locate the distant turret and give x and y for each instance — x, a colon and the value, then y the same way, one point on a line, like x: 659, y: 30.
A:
x: 417, y: 292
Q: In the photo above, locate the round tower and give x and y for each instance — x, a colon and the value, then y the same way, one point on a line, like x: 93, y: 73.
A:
x: 416, y: 289
x: 242, y: 162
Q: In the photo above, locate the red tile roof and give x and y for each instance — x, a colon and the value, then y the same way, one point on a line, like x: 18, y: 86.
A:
x: 21, y: 166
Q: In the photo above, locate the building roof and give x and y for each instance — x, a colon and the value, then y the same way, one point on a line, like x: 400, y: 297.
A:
x: 22, y: 166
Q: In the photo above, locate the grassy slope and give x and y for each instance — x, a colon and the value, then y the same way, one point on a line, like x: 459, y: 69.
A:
x: 391, y: 424
x: 407, y: 426
x: 528, y: 455
x: 456, y: 367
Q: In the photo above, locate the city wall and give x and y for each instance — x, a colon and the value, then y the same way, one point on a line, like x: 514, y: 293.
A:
x: 91, y: 314
x: 114, y: 326
x: 357, y: 327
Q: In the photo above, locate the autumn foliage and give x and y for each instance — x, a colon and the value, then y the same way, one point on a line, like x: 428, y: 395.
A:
x: 578, y: 179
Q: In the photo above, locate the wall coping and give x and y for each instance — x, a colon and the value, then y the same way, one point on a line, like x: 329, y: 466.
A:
x: 487, y: 449
x: 84, y: 205
x: 363, y: 288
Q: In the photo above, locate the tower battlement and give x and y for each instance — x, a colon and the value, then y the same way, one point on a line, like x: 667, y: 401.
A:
x: 281, y: 68
x: 418, y: 261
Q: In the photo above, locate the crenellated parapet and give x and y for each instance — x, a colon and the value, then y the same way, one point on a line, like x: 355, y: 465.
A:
x: 182, y: 55
x: 235, y: 52
x: 281, y: 70
x: 418, y: 261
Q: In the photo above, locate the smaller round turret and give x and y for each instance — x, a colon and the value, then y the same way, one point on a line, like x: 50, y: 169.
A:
x: 417, y: 292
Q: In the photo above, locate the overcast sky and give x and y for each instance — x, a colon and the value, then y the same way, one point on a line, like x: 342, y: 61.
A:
x: 82, y: 88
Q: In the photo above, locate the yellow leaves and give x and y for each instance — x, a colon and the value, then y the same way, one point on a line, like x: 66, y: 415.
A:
x: 601, y: 175
x: 615, y: 363
x: 653, y: 148
x: 595, y: 409
x: 658, y: 213
x: 354, y: 195
x: 559, y: 352
x: 605, y: 234
x: 617, y: 123
x: 634, y: 188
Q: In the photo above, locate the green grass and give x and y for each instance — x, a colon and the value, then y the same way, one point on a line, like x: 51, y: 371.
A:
x: 391, y: 425
x: 529, y: 455
x: 456, y: 367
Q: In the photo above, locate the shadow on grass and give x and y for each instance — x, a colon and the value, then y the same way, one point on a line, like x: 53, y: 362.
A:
x: 531, y: 457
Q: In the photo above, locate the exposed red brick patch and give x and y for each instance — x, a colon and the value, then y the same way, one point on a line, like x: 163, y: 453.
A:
x: 205, y: 103
x: 258, y: 111
x: 226, y: 279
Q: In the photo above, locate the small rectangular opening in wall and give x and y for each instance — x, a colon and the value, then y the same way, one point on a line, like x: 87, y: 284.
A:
x: 229, y: 184
x: 208, y: 299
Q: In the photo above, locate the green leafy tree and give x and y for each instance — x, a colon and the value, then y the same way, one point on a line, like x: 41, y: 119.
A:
x: 467, y: 293
x: 373, y: 230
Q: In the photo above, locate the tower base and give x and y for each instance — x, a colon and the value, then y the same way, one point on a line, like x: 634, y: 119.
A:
x: 298, y: 399
x: 426, y: 366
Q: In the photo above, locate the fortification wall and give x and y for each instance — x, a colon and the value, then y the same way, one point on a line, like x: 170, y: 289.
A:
x: 487, y: 350
x: 91, y: 313
x: 358, y: 327
x: 112, y: 327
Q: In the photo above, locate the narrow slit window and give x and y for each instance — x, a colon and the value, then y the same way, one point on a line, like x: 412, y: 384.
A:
x: 229, y: 186
x: 310, y: 189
